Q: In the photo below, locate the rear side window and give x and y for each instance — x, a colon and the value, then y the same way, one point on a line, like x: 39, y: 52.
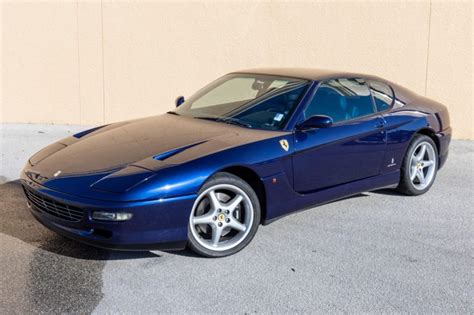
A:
x: 341, y: 99
x: 383, y: 95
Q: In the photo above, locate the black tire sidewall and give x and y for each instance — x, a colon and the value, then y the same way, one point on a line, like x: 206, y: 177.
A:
x: 227, y: 178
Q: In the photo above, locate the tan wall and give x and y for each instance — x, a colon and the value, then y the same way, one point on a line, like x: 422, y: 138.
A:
x: 89, y: 62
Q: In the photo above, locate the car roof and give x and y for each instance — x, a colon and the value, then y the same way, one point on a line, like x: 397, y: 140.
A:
x: 307, y: 73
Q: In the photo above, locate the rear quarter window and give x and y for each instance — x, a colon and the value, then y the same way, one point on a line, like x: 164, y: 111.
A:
x: 383, y: 95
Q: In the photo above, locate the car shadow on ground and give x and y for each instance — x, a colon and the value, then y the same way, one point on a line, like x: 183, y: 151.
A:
x: 50, y: 273
x: 390, y: 192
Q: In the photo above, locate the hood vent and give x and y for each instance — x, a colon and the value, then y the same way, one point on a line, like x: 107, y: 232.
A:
x: 88, y: 131
x: 165, y: 155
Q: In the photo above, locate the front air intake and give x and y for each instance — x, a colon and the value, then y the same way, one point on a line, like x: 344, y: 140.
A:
x: 52, y: 207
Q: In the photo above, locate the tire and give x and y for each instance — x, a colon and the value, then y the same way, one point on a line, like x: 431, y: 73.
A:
x: 224, y: 218
x: 418, y: 173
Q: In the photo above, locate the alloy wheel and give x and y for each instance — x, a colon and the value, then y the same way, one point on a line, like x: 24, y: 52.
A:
x: 422, y: 165
x: 222, y: 217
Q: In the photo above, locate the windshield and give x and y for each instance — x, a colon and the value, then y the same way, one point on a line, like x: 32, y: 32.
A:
x: 251, y: 101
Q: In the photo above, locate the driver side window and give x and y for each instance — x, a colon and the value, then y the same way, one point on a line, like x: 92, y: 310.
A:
x: 341, y: 99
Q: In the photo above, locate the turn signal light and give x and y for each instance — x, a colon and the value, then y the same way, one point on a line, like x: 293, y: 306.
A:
x: 111, y: 216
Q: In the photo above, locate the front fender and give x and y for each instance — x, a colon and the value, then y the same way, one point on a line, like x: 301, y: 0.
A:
x: 265, y: 158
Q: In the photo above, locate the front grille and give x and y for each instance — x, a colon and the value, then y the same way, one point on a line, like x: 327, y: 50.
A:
x: 54, y: 208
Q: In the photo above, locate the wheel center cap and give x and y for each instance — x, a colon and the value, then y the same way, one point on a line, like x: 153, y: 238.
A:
x: 221, y: 217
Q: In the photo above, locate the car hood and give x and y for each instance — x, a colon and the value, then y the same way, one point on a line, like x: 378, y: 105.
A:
x: 103, y: 154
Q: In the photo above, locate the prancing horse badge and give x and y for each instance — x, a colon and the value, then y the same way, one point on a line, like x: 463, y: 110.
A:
x: 284, y: 144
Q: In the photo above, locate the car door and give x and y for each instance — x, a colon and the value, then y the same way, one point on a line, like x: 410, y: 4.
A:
x: 351, y: 149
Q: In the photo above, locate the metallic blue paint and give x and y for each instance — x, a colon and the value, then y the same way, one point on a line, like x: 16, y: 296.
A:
x: 154, y: 167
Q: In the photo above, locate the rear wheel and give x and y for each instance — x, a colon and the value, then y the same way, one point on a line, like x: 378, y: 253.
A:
x: 224, y: 218
x: 419, y: 167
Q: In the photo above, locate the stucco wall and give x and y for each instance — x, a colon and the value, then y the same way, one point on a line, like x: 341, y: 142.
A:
x: 92, y: 62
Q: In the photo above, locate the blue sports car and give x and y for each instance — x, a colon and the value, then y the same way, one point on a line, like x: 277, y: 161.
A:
x: 247, y: 149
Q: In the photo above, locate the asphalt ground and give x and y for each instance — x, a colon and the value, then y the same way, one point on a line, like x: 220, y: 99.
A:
x: 375, y: 252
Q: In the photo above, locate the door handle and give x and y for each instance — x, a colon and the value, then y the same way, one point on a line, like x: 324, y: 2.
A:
x: 380, y: 123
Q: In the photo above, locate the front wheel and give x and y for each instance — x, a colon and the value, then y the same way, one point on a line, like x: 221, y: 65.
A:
x: 224, y: 218
x: 419, y: 167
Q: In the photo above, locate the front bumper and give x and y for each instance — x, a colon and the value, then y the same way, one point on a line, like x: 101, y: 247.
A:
x: 156, y: 224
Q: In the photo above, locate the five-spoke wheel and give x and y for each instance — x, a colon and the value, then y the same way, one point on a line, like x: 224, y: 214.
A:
x: 422, y: 165
x: 224, y: 217
x: 419, y: 167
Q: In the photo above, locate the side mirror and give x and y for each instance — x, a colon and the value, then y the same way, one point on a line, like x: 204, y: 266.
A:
x: 179, y: 100
x: 314, y: 122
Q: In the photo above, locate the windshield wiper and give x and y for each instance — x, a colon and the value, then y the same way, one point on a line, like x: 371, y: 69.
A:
x: 226, y: 120
x: 234, y: 121
x: 173, y: 113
